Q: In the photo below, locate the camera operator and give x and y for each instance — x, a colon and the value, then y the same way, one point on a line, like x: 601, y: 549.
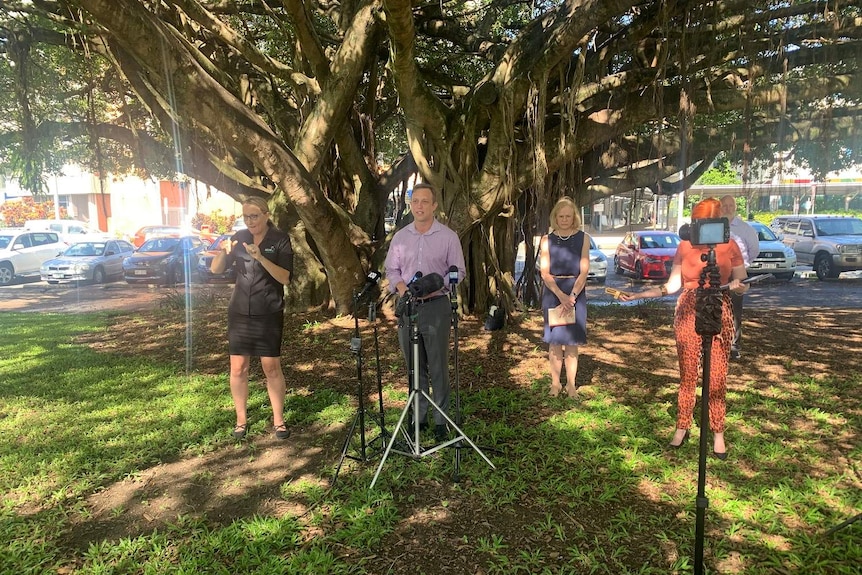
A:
x: 685, y: 274
x: 428, y: 247
x: 746, y: 238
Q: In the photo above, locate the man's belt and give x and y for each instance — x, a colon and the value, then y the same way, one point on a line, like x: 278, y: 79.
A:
x: 430, y: 298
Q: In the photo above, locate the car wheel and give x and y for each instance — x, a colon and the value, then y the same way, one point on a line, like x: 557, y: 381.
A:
x: 617, y: 269
x: 824, y: 267
x: 98, y: 276
x: 785, y: 277
x: 639, y: 270
x: 7, y: 272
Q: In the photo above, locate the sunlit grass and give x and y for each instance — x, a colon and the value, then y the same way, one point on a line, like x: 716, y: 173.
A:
x: 593, y: 488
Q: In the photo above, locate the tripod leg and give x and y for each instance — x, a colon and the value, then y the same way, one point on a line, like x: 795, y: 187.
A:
x: 461, y: 435
x: 344, y: 449
x: 391, y: 443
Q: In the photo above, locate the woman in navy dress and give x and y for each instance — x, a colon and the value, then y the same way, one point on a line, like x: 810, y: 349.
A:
x: 565, y: 263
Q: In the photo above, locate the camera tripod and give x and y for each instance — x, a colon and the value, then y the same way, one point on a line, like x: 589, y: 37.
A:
x: 359, y: 419
x: 412, y: 446
x: 707, y: 324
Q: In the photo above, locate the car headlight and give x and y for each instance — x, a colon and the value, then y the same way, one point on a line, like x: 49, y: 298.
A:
x: 652, y: 260
x: 82, y: 267
x: 850, y: 249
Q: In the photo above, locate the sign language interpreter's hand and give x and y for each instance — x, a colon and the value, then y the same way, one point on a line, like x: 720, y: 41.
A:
x: 253, y: 251
x: 227, y: 245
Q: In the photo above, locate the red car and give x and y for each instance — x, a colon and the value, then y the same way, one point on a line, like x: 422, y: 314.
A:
x: 647, y: 254
x: 150, y: 232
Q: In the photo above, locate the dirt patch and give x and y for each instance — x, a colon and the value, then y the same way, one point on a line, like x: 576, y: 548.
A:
x: 230, y: 484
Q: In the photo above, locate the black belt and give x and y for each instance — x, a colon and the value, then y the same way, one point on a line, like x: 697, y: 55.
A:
x: 430, y: 299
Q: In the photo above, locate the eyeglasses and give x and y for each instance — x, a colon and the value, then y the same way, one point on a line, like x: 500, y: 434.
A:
x: 252, y: 217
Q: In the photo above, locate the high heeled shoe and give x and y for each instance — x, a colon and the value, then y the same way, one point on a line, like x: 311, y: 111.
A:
x: 571, y: 391
x: 555, y: 390
x: 722, y: 456
x: 672, y: 445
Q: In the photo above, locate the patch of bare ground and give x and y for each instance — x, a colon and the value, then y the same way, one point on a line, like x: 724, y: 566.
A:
x: 632, y: 356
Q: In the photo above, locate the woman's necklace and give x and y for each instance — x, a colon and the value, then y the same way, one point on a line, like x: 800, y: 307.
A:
x: 566, y: 237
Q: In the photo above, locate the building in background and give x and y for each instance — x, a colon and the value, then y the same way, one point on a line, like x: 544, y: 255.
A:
x: 121, y: 205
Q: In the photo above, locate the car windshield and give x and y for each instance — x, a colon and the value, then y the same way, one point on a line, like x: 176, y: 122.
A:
x: 160, y: 245
x: 659, y: 241
x: 764, y: 234
x: 85, y: 249
x: 593, y: 245
x: 840, y: 227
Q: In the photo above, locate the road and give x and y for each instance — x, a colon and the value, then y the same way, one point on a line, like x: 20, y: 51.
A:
x: 27, y: 296
x: 800, y: 292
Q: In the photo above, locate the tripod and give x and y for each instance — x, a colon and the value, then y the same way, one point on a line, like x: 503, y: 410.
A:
x: 359, y: 420
x: 707, y: 324
x: 412, y: 436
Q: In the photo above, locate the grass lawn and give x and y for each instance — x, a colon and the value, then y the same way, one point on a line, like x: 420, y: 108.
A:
x: 117, y: 456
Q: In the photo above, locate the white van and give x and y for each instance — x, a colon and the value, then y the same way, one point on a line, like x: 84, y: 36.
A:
x: 70, y: 231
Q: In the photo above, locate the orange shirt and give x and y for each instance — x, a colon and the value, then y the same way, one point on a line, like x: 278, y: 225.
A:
x: 727, y: 257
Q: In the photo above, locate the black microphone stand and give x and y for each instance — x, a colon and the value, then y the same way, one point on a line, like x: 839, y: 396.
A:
x: 413, y: 442
x: 707, y: 324
x: 453, y: 299
x: 359, y: 420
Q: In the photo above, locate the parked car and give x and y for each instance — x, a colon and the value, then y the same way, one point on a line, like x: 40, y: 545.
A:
x: 647, y: 254
x: 774, y: 257
x: 88, y: 262
x: 830, y: 244
x: 598, y: 263
x: 598, y: 266
x: 70, y: 231
x: 149, y: 232
x: 163, y: 260
x: 205, y: 261
x: 22, y: 252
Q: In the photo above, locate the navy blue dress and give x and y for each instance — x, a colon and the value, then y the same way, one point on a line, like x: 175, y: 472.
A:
x: 565, y: 255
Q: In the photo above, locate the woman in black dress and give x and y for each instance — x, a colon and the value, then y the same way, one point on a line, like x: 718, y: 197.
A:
x: 565, y: 263
x: 263, y: 259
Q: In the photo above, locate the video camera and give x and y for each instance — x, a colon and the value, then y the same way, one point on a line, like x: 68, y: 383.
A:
x: 706, y: 232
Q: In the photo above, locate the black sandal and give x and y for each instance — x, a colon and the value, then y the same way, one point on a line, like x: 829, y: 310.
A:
x: 281, y: 431
x: 240, y: 430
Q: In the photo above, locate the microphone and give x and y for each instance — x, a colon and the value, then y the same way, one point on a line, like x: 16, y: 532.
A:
x: 453, y: 290
x: 370, y: 282
x: 415, y: 277
x: 426, y: 285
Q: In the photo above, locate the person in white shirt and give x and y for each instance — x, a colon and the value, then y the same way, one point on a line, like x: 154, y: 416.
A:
x: 746, y: 238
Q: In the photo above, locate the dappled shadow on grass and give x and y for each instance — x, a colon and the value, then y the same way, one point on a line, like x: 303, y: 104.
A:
x: 231, y: 483
x: 579, y: 483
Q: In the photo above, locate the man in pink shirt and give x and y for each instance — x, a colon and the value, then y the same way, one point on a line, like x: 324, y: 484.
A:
x: 429, y: 247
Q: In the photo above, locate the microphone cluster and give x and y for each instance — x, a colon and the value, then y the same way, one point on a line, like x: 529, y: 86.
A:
x: 422, y: 286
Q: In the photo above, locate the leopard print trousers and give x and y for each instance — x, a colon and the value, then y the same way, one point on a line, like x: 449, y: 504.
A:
x: 689, y: 347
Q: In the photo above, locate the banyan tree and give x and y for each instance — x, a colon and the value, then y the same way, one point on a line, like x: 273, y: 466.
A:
x: 328, y: 108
